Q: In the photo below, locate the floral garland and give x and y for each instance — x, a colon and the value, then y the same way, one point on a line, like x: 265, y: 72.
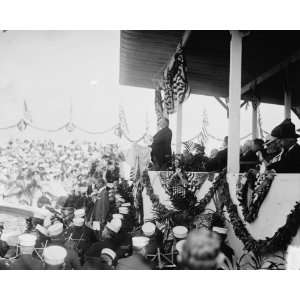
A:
x: 279, y: 241
x: 260, y: 184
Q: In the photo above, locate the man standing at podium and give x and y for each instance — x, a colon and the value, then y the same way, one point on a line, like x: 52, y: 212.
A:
x: 161, y: 146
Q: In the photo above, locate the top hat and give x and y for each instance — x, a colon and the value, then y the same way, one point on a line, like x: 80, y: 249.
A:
x: 285, y: 129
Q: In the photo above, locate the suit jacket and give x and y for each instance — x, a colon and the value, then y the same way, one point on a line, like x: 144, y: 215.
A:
x: 218, y: 163
x: 289, y: 161
x: 161, y: 146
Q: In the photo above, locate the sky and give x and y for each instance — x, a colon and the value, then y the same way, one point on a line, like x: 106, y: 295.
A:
x: 52, y: 69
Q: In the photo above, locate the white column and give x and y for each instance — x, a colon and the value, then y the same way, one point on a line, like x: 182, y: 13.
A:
x: 254, y: 120
x: 179, y: 128
x: 287, y: 104
x: 233, y: 163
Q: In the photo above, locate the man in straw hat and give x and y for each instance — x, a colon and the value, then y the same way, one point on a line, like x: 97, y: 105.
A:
x: 288, y: 161
x: 26, y: 261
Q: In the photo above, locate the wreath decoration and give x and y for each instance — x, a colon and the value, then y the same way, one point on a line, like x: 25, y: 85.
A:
x: 278, y: 242
x: 260, y: 185
x: 183, y: 210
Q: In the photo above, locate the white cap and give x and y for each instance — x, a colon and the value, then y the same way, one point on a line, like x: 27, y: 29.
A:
x: 27, y: 240
x: 148, y: 229
x: 179, y: 245
x: 42, y: 229
x: 180, y: 232
x: 55, y: 229
x: 109, y: 252
x: 117, y: 216
x: 79, y: 213
x: 220, y: 230
x: 123, y: 210
x: 55, y: 255
x: 78, y: 221
x: 114, y: 225
x: 139, y: 242
x: 293, y: 258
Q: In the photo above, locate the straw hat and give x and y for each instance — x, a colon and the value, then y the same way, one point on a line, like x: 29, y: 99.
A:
x: 109, y: 252
x: 78, y: 221
x: 114, y: 225
x: 293, y: 258
x: 27, y: 240
x: 139, y: 242
x: 55, y: 229
x: 148, y: 229
x: 180, y: 232
x: 220, y: 230
x: 55, y: 255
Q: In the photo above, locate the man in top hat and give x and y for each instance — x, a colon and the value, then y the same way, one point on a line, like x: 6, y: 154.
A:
x: 288, y: 161
x: 26, y: 261
x: 161, y: 146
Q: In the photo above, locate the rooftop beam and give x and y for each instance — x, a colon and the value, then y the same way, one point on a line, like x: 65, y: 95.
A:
x: 274, y: 70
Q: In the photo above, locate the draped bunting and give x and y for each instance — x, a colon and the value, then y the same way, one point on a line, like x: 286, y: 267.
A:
x: 175, y: 84
x: 158, y: 106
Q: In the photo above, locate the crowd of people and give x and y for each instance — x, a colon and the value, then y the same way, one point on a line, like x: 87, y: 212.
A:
x: 29, y: 163
x: 98, y: 226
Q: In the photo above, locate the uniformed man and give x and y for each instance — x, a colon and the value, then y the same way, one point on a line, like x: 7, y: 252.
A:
x: 54, y: 257
x: 57, y: 238
x: 137, y: 261
x: 26, y: 261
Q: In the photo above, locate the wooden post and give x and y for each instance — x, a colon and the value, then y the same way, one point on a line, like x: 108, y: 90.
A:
x: 254, y: 120
x: 179, y: 128
x: 287, y: 104
x: 233, y: 158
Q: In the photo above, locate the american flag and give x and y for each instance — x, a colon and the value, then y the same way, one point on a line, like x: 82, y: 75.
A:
x: 180, y: 86
x: 168, y: 99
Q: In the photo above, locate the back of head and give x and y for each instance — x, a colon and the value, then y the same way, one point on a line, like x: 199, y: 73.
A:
x: 200, y: 251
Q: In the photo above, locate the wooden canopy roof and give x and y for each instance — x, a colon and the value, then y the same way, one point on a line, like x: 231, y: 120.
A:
x: 269, y: 58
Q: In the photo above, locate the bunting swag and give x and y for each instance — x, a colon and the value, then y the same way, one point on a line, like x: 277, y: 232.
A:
x: 176, y: 87
x: 158, y: 106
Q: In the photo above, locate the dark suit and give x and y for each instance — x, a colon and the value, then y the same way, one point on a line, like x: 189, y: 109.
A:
x: 218, y: 163
x: 161, y: 148
x: 99, y: 211
x: 289, y: 161
x: 26, y: 262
